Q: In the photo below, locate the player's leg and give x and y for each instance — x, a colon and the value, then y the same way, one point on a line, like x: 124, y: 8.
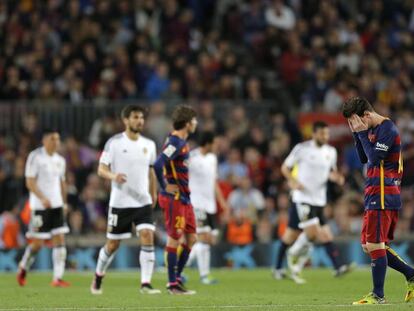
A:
x: 289, y: 236
x: 373, y: 243
x: 119, y: 228
x: 174, y: 216
x: 202, y: 228
x: 58, y: 231
x: 28, y: 259
x: 105, y: 257
x: 59, y: 260
x: 207, y: 240
x: 145, y: 229
x: 39, y: 230
x: 395, y: 261
x: 326, y: 238
x: 190, y: 240
x: 202, y: 252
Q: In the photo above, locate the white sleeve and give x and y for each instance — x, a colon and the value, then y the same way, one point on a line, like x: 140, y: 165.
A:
x: 293, y: 157
x: 107, y: 154
x: 153, y: 153
x: 32, y: 168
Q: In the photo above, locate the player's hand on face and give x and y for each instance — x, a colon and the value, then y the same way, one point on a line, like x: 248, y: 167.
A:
x: 358, y: 124
x: 351, y: 126
x: 295, y: 185
x: 120, y: 178
x: 170, y: 188
x: 46, y: 203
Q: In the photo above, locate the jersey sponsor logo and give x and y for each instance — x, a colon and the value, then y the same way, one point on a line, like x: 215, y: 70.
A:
x: 169, y: 150
x: 381, y: 147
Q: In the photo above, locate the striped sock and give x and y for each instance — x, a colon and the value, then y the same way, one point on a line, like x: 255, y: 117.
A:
x: 397, y: 263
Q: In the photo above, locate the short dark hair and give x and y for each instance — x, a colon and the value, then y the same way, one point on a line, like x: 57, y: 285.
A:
x: 206, y: 138
x: 127, y: 110
x: 49, y: 130
x: 356, y: 105
x: 319, y: 125
x: 182, y: 115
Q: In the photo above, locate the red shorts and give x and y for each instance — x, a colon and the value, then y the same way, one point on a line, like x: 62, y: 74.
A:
x: 179, y: 217
x: 378, y: 226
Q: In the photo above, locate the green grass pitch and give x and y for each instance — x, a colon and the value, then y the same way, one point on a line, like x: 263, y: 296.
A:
x: 237, y: 290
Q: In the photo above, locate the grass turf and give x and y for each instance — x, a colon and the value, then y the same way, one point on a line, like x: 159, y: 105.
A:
x: 236, y: 290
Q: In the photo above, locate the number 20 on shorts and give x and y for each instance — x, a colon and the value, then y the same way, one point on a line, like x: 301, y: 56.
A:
x: 179, y: 222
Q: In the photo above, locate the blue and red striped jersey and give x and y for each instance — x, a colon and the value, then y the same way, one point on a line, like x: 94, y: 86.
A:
x: 175, y: 155
x: 380, y: 148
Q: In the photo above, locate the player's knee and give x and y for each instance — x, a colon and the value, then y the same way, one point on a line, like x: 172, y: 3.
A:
x: 146, y: 236
x: 191, y: 240
x: 36, y: 245
x: 112, y: 246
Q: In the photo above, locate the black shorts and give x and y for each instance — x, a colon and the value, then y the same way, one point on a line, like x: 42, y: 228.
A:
x: 302, y: 215
x: 206, y: 222
x: 46, y: 223
x: 121, y: 220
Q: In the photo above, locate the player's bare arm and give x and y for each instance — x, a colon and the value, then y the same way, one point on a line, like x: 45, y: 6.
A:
x: 336, y: 177
x: 222, y: 201
x: 63, y: 189
x: 104, y: 171
x: 153, y: 186
x: 31, y: 184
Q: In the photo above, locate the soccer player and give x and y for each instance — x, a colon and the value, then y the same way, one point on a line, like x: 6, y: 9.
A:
x: 204, y: 192
x: 378, y: 143
x: 308, y: 168
x: 126, y: 161
x: 45, y: 179
x: 171, y: 169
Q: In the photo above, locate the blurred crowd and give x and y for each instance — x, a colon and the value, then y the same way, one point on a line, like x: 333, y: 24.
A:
x: 295, y: 56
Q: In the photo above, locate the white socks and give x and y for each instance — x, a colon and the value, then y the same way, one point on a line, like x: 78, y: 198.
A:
x: 147, y: 262
x: 59, y: 261
x: 302, y: 244
x: 28, y: 258
x: 104, y: 261
x: 203, y: 258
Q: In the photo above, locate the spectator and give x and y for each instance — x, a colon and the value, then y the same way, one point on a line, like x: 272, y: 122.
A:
x: 248, y: 199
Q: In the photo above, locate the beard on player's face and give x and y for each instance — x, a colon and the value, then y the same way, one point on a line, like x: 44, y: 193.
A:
x: 136, y: 129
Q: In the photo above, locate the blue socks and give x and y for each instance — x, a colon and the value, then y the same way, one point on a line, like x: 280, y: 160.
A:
x: 171, y: 262
x: 395, y: 262
x: 282, y: 252
x: 332, y: 253
x: 185, y: 253
x: 379, y: 269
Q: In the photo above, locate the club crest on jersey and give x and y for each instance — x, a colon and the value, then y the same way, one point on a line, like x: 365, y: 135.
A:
x: 145, y: 150
x: 372, y: 137
x: 169, y: 151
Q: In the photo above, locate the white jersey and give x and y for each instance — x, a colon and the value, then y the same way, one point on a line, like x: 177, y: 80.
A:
x: 49, y: 171
x: 202, y: 180
x: 314, y: 164
x: 132, y: 158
